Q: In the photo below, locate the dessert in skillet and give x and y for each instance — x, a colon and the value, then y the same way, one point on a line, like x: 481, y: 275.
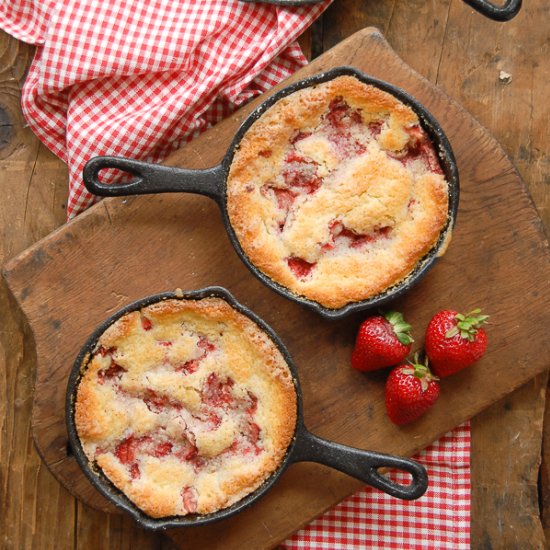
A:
x: 186, y: 406
x: 336, y: 192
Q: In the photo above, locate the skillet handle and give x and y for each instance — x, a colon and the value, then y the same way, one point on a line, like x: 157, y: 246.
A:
x: 498, y: 13
x: 152, y: 178
x: 361, y: 464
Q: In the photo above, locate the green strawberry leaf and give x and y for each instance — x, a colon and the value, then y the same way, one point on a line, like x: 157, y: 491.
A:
x: 422, y: 372
x: 400, y: 326
x: 451, y: 333
x: 467, y: 325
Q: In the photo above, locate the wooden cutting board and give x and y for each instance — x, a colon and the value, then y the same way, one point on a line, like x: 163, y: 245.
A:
x: 123, y: 249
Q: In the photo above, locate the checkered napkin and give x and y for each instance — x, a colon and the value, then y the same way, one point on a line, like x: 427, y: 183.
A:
x: 139, y: 78
x: 372, y: 520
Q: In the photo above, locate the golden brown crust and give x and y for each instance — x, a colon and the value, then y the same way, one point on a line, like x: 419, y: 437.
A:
x: 356, y: 200
x: 186, y: 406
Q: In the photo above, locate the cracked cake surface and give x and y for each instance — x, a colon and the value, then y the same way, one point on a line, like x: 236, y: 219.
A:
x: 336, y: 192
x: 186, y: 406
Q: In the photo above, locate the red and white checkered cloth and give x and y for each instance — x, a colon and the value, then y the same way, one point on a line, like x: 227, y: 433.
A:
x: 140, y: 78
x: 372, y: 520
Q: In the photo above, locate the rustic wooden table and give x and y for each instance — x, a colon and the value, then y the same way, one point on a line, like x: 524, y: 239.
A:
x: 448, y: 43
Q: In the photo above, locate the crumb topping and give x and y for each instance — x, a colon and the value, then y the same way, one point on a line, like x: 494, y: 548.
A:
x: 336, y: 192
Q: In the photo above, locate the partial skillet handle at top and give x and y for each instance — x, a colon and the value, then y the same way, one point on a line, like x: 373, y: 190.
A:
x: 498, y: 13
x: 507, y: 11
x: 152, y: 178
x: 361, y: 464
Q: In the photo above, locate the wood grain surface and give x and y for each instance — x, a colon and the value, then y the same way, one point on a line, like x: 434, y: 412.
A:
x: 460, y: 51
x: 98, y: 250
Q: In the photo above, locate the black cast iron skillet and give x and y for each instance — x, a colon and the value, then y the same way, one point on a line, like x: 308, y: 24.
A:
x: 305, y: 446
x: 505, y: 12
x: 155, y: 178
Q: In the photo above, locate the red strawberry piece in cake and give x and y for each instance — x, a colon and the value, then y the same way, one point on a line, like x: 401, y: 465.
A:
x: 212, y: 421
x: 206, y: 345
x: 189, y: 367
x: 298, y: 136
x: 293, y: 157
x: 125, y: 451
x: 190, y: 497
x: 135, y: 471
x: 285, y: 198
x: 113, y: 372
x: 342, y: 236
x: 300, y: 267
x: 162, y: 449
x: 375, y: 127
x: 253, y: 404
x: 303, y: 178
x: 341, y: 116
x: 157, y: 402
x: 217, y: 391
x: 103, y: 351
x: 251, y: 438
x: 300, y: 173
x: 419, y: 147
x: 187, y: 452
x: 338, y: 125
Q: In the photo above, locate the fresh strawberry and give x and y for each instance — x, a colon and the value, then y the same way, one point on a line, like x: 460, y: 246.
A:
x: 410, y: 391
x: 455, y: 341
x: 382, y: 341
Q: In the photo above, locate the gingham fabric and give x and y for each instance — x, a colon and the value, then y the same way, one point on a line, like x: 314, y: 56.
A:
x: 372, y: 520
x: 140, y: 78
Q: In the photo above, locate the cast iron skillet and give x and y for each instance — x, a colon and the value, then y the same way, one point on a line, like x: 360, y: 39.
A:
x: 507, y: 11
x: 305, y: 446
x: 155, y: 178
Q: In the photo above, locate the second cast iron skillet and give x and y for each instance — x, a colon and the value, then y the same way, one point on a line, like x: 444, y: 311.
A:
x: 155, y: 178
x: 305, y: 446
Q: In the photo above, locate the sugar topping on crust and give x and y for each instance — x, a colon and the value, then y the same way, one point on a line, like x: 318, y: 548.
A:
x: 336, y: 192
x: 187, y: 406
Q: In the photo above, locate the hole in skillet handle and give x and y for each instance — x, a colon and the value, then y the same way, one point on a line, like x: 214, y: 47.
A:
x: 361, y: 464
x: 123, y: 166
x: 149, y: 178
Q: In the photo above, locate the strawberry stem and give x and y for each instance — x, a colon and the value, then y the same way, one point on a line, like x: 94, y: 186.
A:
x: 400, y: 327
x: 467, y: 325
x: 422, y: 372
